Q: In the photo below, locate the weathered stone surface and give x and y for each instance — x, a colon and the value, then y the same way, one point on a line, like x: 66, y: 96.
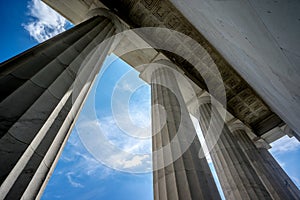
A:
x: 243, y: 102
x: 259, y: 158
x: 237, y: 177
x: 186, y: 176
x: 39, y: 108
x: 284, y: 178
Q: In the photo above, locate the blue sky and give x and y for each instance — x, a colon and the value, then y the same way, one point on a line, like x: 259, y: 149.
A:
x: 83, y: 177
x: 78, y: 175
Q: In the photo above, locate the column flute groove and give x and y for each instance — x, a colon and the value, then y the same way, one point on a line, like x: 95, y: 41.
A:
x: 42, y: 92
x: 189, y: 176
x: 260, y: 160
x: 237, y: 177
x: 284, y: 179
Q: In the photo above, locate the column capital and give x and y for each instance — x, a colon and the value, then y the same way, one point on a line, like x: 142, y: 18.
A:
x: 149, y: 69
x: 207, y: 98
x: 119, y: 25
x: 260, y: 143
x: 193, y: 104
x: 288, y: 131
x: 204, y: 98
x: 235, y: 125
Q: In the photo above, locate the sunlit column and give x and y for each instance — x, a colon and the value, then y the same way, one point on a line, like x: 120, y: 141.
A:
x: 179, y: 173
x: 237, y: 177
x: 269, y: 171
x: 41, y: 93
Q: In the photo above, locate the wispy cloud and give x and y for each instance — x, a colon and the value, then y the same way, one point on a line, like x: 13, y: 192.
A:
x: 123, y: 162
x: 131, y: 105
x: 72, y: 182
x: 135, y: 161
x: 44, y: 21
x: 77, y: 164
x: 127, y: 86
x: 123, y: 140
x: 117, y: 149
x: 284, y: 145
x: 82, y: 163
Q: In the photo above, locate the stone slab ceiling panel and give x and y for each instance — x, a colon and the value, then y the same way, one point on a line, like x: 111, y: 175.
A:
x: 243, y: 102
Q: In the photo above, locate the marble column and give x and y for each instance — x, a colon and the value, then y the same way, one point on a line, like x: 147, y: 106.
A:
x: 284, y: 180
x: 237, y: 177
x: 41, y: 93
x: 276, y: 181
x: 179, y: 173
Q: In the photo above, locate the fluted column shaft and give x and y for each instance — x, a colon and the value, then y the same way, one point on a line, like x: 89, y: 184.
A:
x: 266, y: 167
x: 189, y: 176
x: 283, y: 179
x: 41, y: 93
x: 237, y: 177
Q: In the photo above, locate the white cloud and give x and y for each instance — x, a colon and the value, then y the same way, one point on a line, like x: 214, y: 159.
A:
x: 45, y: 22
x: 140, y: 117
x: 135, y: 161
x: 119, y: 150
x: 131, y: 105
x: 129, y: 162
x: 127, y: 86
x: 78, y: 163
x: 285, y: 144
x: 83, y: 164
x: 72, y: 182
x: 123, y: 141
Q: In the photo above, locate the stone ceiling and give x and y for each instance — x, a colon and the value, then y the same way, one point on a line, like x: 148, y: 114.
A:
x: 242, y: 101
